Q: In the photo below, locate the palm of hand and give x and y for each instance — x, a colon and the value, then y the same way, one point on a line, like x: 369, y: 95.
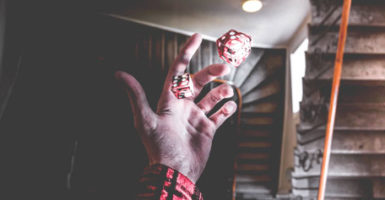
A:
x: 180, y: 134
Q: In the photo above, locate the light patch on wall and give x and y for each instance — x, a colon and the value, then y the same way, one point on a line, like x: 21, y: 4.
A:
x: 298, y: 65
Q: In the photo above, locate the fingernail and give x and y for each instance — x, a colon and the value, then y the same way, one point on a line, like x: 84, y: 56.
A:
x: 227, y: 91
x: 197, y: 35
x: 230, y: 107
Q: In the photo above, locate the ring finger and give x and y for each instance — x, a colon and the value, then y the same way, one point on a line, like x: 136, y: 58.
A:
x: 214, y: 96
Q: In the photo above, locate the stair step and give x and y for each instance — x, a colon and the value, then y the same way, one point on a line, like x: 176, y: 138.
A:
x: 263, y: 107
x: 252, y: 156
x: 305, y: 136
x: 255, y: 133
x: 355, y: 66
x: 242, y: 73
x: 256, y: 121
x: 351, y: 143
x: 255, y: 144
x: 267, y: 67
x: 313, y: 84
x: 369, y: 188
x: 369, y: 13
x: 311, y: 194
x: 252, y: 189
x: 254, y: 196
x: 356, y: 188
x: 318, y: 90
x: 359, y: 40
x: 262, y: 91
x: 379, y: 188
x: 305, y: 128
x: 344, y: 165
x: 348, y: 94
x: 370, y: 116
x: 245, y: 178
x: 252, y: 168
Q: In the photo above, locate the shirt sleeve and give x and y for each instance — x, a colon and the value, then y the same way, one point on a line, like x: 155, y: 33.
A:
x: 160, y: 182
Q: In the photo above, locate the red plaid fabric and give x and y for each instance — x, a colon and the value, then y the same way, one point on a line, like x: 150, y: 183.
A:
x: 163, y: 183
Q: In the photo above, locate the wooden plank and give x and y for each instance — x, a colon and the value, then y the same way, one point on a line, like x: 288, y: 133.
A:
x: 253, y: 189
x: 366, y: 94
x: 268, y: 67
x: 258, y: 133
x: 206, y: 53
x: 245, y: 69
x: 361, y: 67
x: 254, y: 144
x: 370, y: 116
x: 171, y: 49
x: 252, y: 156
x: 336, y: 187
x: 305, y: 135
x: 346, y: 165
x: 351, y: 142
x: 263, y: 107
x: 360, y: 40
x: 252, y: 167
x: 368, y: 13
x: 379, y: 188
x: 263, y: 91
x: 255, y: 121
x: 245, y: 178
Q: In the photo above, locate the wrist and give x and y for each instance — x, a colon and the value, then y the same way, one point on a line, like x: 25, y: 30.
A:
x: 183, y: 168
x: 167, y: 182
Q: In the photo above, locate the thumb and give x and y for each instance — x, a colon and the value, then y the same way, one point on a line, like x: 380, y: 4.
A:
x: 145, y: 118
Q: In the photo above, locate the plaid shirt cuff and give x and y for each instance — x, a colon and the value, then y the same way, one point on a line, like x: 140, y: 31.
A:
x: 160, y: 182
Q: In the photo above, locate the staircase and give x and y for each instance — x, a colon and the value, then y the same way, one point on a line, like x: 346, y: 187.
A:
x: 357, y: 165
x: 259, y: 141
x: 260, y: 81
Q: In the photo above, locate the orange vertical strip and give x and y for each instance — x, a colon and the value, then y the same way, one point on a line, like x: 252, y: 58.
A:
x: 334, y: 97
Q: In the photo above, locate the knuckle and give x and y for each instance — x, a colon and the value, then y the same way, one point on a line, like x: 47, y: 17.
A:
x: 199, y: 82
x: 214, y: 98
x: 227, y: 91
x: 203, y: 107
x: 184, y: 58
x: 207, y: 128
x: 146, y: 124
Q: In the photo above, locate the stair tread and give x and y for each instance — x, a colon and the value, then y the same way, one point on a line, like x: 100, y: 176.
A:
x: 351, y: 115
x: 253, y: 167
x: 350, y: 143
x: 303, y: 128
x: 343, y: 165
x: 252, y: 188
x: 345, y: 81
x: 253, y: 156
x: 364, y: 12
x: 367, y: 39
x: 252, y: 179
x: 319, y: 133
x: 255, y: 144
x: 255, y: 133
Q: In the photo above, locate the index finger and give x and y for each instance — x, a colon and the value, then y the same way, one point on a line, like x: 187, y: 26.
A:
x: 183, y: 59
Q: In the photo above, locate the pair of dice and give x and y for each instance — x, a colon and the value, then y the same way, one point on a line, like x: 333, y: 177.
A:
x: 233, y: 47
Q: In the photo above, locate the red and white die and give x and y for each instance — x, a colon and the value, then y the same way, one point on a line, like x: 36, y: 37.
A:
x: 182, y: 86
x: 234, y: 47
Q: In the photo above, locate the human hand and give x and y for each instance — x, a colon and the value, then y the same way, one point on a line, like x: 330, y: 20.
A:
x: 179, y: 135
